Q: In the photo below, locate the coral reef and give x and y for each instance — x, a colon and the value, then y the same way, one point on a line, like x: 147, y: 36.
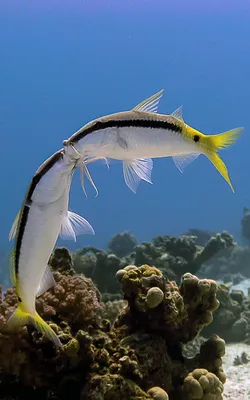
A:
x: 245, y: 223
x: 231, y: 265
x: 182, y: 312
x: 112, y: 309
x: 139, y: 357
x: 74, y: 299
x: 172, y: 255
x: 227, y: 314
x: 122, y: 244
x: 149, y: 351
x: 28, y: 360
x: 242, y: 359
x: 232, y: 318
x: 61, y: 261
x: 157, y: 393
x: 4, y: 279
x: 192, y: 348
x: 201, y: 384
x: 202, y: 236
x: 100, y: 266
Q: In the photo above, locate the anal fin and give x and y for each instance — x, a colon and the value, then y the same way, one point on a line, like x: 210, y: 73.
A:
x: 183, y: 160
x: 47, y: 282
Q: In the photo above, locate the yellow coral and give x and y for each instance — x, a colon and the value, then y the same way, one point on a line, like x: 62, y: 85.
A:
x: 154, y: 297
x: 158, y: 393
x: 202, y: 385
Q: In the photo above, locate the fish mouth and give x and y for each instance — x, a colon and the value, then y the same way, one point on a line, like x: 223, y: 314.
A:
x: 70, y: 153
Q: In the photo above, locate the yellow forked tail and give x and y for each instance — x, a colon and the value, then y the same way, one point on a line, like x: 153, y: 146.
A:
x: 214, y: 143
x: 20, y: 318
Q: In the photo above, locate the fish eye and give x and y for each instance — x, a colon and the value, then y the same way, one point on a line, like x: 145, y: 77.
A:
x: 196, y: 138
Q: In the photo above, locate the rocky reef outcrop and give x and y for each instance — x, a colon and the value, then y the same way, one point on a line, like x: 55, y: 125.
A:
x: 173, y: 256
x: 138, y: 356
x: 245, y: 224
x: 122, y: 244
x: 232, y: 319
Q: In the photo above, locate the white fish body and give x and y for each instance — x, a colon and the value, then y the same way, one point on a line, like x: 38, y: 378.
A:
x: 43, y: 217
x: 137, y: 136
x: 134, y: 143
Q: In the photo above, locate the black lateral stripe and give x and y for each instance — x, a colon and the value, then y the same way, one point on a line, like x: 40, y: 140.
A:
x: 23, y: 222
x: 140, y: 123
x: 45, y: 167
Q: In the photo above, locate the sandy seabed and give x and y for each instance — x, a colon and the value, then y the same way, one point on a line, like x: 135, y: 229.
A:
x: 237, y: 386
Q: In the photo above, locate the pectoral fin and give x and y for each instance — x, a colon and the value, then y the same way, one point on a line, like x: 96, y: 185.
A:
x: 135, y: 170
x: 73, y: 225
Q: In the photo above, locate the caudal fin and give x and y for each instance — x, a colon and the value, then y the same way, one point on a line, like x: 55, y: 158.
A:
x: 20, y: 318
x: 219, y: 142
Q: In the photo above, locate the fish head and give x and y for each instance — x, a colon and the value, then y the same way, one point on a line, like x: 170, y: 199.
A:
x: 71, y: 152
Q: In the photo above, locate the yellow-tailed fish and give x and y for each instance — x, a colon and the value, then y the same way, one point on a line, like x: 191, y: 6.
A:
x: 137, y: 136
x: 43, y: 216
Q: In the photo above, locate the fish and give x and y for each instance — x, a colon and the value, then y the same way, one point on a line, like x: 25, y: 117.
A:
x: 43, y: 216
x: 137, y: 136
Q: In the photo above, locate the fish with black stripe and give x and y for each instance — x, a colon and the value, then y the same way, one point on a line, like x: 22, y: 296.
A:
x: 137, y: 136
x: 43, y: 216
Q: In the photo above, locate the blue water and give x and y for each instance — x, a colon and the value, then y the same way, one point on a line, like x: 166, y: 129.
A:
x: 63, y: 65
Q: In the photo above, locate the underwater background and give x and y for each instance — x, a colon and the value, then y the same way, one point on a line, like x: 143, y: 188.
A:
x: 63, y: 64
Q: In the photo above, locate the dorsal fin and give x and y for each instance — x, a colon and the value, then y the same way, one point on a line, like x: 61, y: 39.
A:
x: 178, y: 113
x: 150, y: 104
x: 13, y: 230
x: 11, y: 265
